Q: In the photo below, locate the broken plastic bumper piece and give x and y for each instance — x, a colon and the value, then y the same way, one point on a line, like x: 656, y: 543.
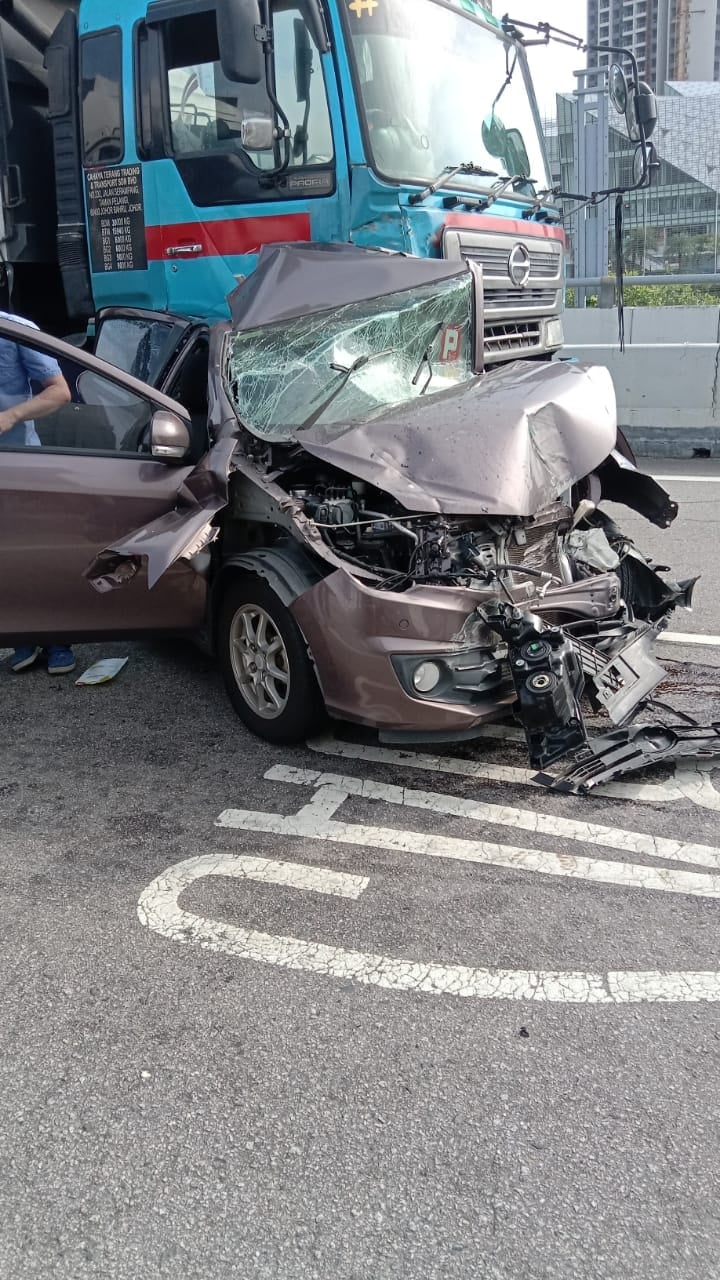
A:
x: 620, y: 683
x: 547, y: 672
x: 636, y: 747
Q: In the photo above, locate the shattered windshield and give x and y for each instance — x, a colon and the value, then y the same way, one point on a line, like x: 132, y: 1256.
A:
x: 351, y: 364
x: 433, y: 89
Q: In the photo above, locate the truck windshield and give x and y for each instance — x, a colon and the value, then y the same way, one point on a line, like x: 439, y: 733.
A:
x: 353, y: 365
x: 431, y: 88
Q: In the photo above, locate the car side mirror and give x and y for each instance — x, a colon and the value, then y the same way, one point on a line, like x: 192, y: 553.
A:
x: 169, y: 436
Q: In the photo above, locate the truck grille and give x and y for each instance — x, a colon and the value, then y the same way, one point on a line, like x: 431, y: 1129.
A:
x: 514, y: 299
x: 494, y: 261
x: 507, y: 339
x: 513, y: 314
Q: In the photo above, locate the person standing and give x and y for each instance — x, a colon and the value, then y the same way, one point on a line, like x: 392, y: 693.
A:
x: 20, y: 367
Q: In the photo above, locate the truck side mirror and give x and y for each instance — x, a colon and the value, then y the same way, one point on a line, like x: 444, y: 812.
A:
x: 241, y: 52
x: 303, y: 60
x: 641, y: 111
x: 516, y: 156
x: 647, y: 109
x: 257, y: 133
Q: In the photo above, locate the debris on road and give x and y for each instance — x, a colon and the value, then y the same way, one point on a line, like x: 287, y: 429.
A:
x: 102, y: 672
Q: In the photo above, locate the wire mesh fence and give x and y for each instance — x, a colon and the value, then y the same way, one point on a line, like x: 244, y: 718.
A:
x: 672, y: 227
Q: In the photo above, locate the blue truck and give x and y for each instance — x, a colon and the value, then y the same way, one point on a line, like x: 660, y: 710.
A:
x: 149, y: 150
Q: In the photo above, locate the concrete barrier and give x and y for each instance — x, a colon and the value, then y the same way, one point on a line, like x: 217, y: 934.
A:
x: 667, y: 380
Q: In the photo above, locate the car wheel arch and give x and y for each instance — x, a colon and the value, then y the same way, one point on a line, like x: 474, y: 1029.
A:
x: 287, y: 570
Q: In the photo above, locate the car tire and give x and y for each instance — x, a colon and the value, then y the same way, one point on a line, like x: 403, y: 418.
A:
x: 264, y: 660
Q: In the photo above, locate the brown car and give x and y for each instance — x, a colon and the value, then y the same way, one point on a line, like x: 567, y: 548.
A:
x: 333, y: 496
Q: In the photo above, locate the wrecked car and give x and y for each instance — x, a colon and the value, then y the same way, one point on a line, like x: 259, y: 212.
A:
x: 334, y: 496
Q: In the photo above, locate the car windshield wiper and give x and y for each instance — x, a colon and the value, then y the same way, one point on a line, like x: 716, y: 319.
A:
x: 346, y: 372
x: 448, y: 173
x: 425, y: 360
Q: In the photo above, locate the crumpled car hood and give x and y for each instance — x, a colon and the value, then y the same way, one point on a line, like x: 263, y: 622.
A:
x: 504, y: 444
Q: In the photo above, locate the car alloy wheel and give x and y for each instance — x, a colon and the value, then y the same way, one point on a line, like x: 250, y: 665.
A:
x: 260, y: 661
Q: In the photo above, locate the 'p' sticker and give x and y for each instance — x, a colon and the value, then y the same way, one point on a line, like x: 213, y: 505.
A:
x: 450, y: 344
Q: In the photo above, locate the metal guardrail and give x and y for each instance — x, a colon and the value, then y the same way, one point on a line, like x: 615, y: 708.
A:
x: 660, y: 278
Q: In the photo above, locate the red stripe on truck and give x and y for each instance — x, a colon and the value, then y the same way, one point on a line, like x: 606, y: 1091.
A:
x: 227, y: 237
x: 511, y: 226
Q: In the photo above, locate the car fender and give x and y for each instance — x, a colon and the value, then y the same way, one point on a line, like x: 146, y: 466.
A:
x: 182, y: 533
x: 288, y: 571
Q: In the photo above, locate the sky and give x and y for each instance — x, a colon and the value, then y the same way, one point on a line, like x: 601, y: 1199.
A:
x: 552, y: 67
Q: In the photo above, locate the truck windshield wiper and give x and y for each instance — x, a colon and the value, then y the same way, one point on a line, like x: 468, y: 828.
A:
x: 447, y: 174
x: 513, y: 181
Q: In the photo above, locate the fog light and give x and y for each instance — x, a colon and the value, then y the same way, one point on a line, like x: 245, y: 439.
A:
x: 426, y: 677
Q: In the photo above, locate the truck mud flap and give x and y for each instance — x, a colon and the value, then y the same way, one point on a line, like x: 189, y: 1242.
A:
x: 636, y: 747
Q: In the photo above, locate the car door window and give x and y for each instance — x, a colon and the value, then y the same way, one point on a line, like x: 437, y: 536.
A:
x: 139, y: 345
x: 103, y: 416
x: 207, y: 110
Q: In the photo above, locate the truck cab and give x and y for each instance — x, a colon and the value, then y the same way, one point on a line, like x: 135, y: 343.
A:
x: 187, y: 136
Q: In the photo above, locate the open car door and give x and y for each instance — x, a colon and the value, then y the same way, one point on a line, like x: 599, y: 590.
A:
x: 92, y: 475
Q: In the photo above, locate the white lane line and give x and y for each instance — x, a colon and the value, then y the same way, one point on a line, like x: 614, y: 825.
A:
x: 686, y: 784
x: 309, y: 826
x: 159, y: 910
x: 689, y: 637
x: 636, y: 842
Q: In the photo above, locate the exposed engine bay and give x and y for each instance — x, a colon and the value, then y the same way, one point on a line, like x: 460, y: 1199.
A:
x: 566, y: 542
x: 556, y: 657
x: 374, y: 534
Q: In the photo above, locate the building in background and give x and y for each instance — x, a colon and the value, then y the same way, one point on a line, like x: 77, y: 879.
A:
x: 671, y: 39
x: 674, y: 226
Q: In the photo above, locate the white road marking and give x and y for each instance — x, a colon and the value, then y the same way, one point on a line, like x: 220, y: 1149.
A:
x: 329, y: 746
x: 311, y: 823
x: 160, y: 911
x: 690, y: 638
x: 294, y: 875
x: 687, y: 783
x: 340, y: 787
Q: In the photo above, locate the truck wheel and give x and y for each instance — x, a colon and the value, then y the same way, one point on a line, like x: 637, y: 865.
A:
x: 265, y: 664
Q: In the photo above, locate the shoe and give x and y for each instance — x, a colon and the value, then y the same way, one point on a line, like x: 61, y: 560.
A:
x: 61, y: 660
x: 24, y: 658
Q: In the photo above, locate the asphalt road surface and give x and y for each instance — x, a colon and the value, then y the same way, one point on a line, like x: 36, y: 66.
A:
x: 353, y: 1014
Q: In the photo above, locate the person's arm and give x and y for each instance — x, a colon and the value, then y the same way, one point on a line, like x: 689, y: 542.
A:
x: 54, y: 395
